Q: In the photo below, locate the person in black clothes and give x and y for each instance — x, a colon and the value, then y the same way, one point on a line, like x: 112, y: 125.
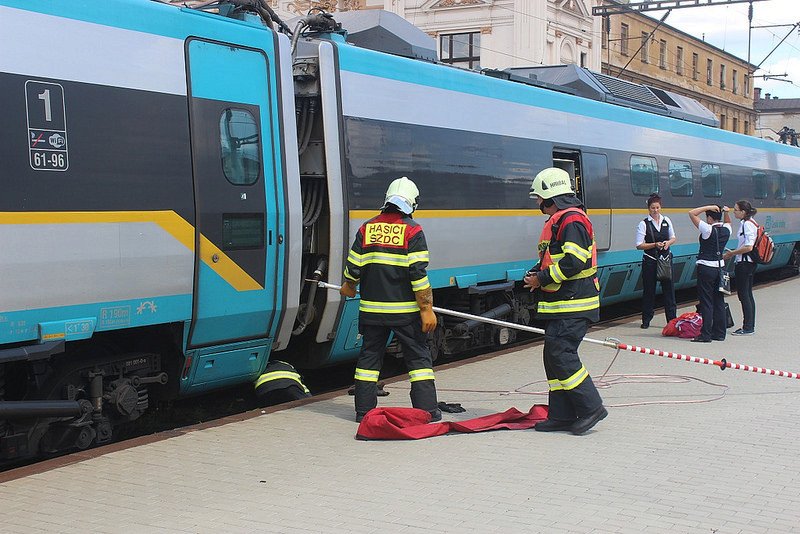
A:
x: 745, y: 267
x: 654, y: 236
x: 713, y: 237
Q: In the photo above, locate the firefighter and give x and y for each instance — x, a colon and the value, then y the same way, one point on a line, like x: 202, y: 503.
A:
x: 388, y: 259
x: 568, y: 300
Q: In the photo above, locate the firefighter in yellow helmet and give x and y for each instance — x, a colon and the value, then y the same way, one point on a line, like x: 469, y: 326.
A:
x: 569, y: 299
x: 388, y: 259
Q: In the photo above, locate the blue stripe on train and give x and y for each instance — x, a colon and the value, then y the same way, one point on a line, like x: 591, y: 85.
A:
x: 368, y: 62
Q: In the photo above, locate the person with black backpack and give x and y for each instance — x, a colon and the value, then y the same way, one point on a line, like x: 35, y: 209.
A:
x: 745, y: 266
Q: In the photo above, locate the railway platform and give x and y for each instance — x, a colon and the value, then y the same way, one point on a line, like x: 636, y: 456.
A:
x: 685, y: 448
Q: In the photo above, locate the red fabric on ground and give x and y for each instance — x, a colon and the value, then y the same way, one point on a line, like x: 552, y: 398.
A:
x: 412, y: 423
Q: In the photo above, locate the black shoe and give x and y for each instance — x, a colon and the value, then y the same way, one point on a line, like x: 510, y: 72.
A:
x: 699, y: 339
x: 436, y: 415
x: 553, y: 425
x: 743, y: 332
x: 583, y: 424
x: 359, y: 417
x: 718, y: 338
x: 644, y: 325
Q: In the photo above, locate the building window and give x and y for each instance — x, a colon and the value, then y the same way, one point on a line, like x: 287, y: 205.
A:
x: 746, y: 128
x: 723, y: 122
x: 644, y: 55
x: 644, y: 175
x: 735, y: 124
x: 583, y: 59
x: 747, y: 85
x: 735, y: 82
x: 662, y: 54
x: 679, y: 61
x: 709, y: 71
x: 461, y: 49
x: 623, y: 40
x: 722, y: 76
x: 695, y: 66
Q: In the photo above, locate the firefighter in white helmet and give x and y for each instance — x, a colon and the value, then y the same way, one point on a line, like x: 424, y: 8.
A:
x: 568, y: 300
x: 388, y: 260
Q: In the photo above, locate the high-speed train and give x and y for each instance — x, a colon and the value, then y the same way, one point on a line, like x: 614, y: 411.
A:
x: 170, y: 178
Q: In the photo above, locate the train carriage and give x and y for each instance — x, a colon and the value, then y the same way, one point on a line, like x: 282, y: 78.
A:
x: 172, y: 176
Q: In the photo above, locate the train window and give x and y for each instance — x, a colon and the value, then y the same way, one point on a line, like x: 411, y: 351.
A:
x: 772, y: 185
x: 794, y: 187
x: 712, y: 180
x: 644, y: 175
x: 241, y: 146
x: 777, y: 183
x: 759, y: 184
x: 681, y: 182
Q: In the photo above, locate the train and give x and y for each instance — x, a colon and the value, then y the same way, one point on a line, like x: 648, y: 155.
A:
x: 188, y: 173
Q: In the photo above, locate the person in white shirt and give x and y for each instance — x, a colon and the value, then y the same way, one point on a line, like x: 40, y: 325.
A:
x: 713, y: 237
x: 654, y: 236
x: 744, y: 267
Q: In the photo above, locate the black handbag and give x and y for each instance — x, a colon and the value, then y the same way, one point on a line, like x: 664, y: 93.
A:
x: 663, y: 263
x: 728, y: 317
x: 724, y: 282
x: 724, y: 285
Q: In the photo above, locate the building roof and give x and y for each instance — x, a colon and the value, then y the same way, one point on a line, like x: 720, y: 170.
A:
x: 778, y: 104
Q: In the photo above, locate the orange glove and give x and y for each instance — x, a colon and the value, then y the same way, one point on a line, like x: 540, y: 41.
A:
x: 428, y: 320
x: 348, y: 289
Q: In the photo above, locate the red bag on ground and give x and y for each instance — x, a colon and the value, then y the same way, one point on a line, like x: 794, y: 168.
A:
x: 412, y: 423
x: 687, y: 325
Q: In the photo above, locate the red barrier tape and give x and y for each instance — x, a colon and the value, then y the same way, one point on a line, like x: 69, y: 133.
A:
x: 722, y: 364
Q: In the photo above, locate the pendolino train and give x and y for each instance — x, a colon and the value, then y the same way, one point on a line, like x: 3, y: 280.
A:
x: 171, y: 176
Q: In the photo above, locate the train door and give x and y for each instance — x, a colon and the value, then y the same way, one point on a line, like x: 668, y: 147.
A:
x: 235, y: 268
x: 589, y: 174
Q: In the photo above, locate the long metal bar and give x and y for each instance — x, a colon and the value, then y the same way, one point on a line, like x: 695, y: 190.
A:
x: 611, y: 343
x: 658, y: 5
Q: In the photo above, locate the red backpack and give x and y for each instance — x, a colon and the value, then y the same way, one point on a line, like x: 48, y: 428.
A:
x: 687, y: 326
x: 763, y: 247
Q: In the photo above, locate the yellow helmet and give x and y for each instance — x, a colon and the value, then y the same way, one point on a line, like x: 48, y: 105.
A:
x: 402, y: 193
x: 550, y: 183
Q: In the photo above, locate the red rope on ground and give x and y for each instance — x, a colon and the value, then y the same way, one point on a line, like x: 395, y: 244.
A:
x: 722, y: 364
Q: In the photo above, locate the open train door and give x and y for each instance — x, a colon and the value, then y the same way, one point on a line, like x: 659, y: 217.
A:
x: 234, y: 176
x: 589, y: 174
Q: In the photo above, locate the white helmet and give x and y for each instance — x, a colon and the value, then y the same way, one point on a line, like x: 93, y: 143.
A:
x: 402, y: 193
x: 550, y: 183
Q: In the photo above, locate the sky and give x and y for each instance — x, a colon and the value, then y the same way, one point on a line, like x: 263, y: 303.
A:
x: 725, y: 27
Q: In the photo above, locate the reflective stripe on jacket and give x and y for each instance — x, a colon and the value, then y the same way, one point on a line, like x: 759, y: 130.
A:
x: 568, y: 267
x: 389, y: 258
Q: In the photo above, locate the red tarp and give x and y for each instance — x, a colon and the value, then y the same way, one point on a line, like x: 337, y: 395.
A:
x: 412, y: 423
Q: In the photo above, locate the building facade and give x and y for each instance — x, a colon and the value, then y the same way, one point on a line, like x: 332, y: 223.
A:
x: 776, y: 116
x: 494, y: 34
x: 667, y: 58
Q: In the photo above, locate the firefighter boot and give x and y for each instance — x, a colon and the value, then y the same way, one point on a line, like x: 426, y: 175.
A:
x: 423, y: 396
x: 366, y: 398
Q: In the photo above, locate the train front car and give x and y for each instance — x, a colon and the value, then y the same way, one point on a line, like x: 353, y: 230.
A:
x: 144, y: 218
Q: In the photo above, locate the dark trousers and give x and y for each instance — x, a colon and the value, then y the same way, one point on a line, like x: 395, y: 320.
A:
x: 649, y: 292
x: 561, y: 340
x: 416, y: 355
x: 712, y: 302
x: 744, y: 272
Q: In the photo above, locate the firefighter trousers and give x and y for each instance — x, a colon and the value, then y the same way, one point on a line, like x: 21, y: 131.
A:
x: 417, y: 357
x: 572, y: 392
